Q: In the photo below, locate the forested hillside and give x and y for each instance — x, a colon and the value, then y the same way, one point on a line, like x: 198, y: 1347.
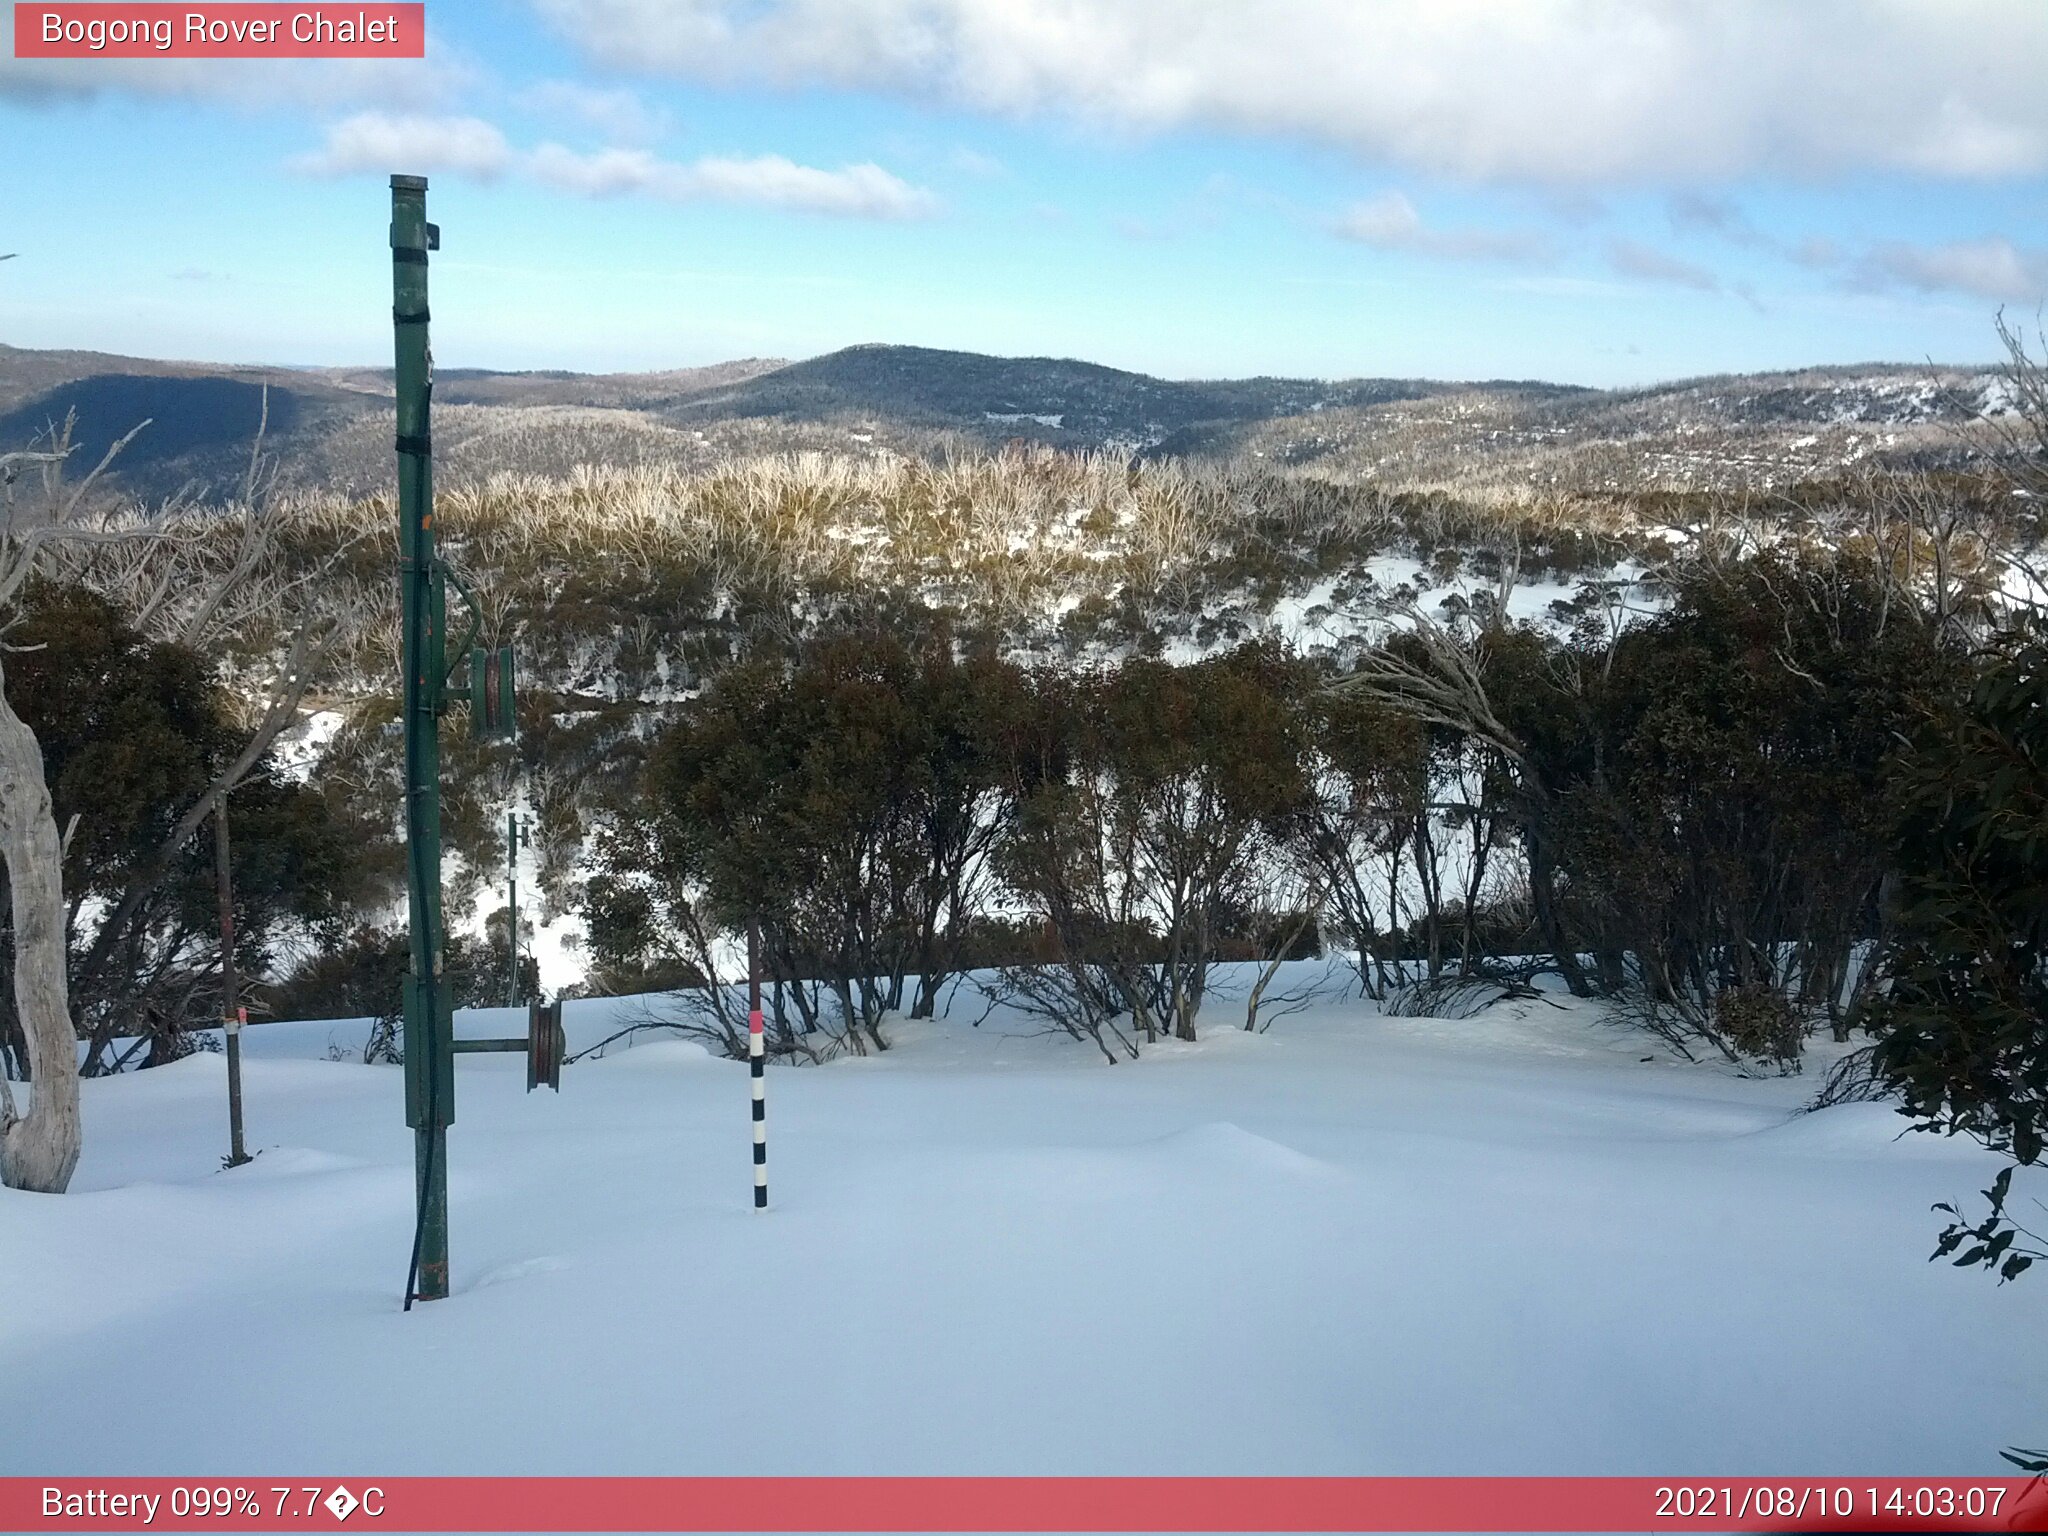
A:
x: 1467, y: 732
x: 328, y: 425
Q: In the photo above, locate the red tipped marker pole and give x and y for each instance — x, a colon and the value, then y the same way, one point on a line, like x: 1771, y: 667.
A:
x: 757, y: 1063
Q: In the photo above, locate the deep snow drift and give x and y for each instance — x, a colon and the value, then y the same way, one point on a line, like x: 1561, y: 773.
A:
x: 1352, y: 1245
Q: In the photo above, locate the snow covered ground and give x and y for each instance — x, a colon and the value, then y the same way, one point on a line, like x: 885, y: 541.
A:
x: 1352, y: 1245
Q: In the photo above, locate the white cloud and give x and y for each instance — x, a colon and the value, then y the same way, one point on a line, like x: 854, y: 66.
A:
x: 1993, y: 269
x: 1632, y: 259
x: 1563, y: 92
x: 1390, y: 222
x: 1816, y: 251
x: 600, y: 173
x: 1702, y: 213
x: 616, y: 112
x: 973, y: 162
x: 380, y: 143
x: 852, y: 191
x: 863, y: 191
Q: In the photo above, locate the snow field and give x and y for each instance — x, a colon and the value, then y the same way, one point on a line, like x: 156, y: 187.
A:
x: 1355, y: 1244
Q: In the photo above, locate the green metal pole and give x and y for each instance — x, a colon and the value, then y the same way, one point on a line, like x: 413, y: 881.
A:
x: 429, y: 1023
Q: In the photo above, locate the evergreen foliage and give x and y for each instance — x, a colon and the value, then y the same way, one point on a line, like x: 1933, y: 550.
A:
x: 1966, y: 1021
x: 133, y: 731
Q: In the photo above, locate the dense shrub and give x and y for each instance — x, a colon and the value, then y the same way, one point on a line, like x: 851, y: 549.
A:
x: 133, y: 732
x: 1692, y: 809
x: 1966, y: 1022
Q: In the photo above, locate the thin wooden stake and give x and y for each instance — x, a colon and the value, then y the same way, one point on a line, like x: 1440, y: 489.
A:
x: 232, y: 1016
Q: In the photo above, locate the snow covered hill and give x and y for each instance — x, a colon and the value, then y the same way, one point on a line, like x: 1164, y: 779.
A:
x: 1356, y: 1244
x: 330, y: 429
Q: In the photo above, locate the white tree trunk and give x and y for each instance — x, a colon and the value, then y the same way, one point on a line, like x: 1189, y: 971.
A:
x: 39, y: 1150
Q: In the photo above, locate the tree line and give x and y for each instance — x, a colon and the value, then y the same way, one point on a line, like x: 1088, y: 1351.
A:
x: 1801, y: 790
x: 1703, y: 811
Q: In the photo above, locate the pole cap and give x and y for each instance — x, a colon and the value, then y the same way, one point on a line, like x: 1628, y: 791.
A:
x: 408, y: 183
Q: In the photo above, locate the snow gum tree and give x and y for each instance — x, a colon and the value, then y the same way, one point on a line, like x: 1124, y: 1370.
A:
x: 132, y: 733
x: 1700, y: 797
x: 1966, y: 1020
x: 39, y: 1149
x: 1174, y: 783
x: 212, y: 584
x: 844, y: 807
x: 1736, y: 838
x: 1367, y: 782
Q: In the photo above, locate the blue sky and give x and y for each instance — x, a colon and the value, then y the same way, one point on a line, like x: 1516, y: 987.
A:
x: 1565, y: 189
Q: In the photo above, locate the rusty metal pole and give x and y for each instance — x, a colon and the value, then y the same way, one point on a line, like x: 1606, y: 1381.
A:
x: 231, y: 1014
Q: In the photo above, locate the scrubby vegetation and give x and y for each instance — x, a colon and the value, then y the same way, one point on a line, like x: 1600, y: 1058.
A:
x: 1693, y: 813
x: 1089, y: 724
x: 133, y: 733
x: 1672, y: 782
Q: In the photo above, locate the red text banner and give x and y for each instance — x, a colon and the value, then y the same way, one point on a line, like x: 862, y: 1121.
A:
x: 358, y: 1503
x: 220, y: 31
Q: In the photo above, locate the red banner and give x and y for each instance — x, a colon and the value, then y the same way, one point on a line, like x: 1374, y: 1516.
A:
x: 236, y: 31
x: 1023, y: 1504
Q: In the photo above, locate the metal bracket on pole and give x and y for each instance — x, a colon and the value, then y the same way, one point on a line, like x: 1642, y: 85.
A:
x: 544, y: 1045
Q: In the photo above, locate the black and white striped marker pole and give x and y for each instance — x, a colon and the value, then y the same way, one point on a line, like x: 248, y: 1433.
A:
x: 757, y: 1063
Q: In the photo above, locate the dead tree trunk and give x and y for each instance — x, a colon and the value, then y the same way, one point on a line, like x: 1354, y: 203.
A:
x: 38, y: 1150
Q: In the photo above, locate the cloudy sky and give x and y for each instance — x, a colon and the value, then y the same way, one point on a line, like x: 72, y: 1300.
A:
x: 1568, y: 189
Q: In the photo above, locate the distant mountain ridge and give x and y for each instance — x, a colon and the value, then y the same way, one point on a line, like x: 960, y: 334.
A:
x: 1089, y: 403
x: 913, y: 398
